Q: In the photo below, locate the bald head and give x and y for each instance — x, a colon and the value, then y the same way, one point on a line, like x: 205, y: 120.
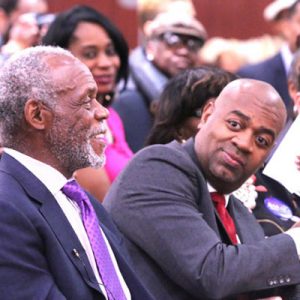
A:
x: 238, y: 131
x: 262, y: 93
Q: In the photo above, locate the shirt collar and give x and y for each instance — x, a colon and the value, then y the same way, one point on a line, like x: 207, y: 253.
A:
x: 212, y: 189
x: 50, y: 177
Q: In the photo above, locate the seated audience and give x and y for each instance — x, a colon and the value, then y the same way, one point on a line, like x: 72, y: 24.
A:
x: 92, y: 38
x: 57, y: 242
x: 187, y: 237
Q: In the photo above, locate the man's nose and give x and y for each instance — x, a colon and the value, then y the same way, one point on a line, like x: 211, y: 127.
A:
x: 100, y: 111
x: 244, y: 141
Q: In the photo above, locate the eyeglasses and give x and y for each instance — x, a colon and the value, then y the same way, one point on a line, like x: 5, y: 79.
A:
x: 176, y: 41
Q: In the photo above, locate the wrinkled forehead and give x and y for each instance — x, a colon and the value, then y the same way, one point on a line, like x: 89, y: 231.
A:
x: 60, y: 60
x: 69, y: 71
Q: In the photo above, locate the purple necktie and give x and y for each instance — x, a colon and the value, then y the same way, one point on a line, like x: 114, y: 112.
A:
x: 90, y: 222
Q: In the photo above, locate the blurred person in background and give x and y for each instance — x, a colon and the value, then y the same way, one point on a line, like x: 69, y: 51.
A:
x: 24, y: 27
x: 181, y: 102
x: 232, y: 54
x: 96, y: 41
x: 10, y: 10
x: 44, y: 20
x: 173, y: 41
x: 275, y: 69
x: 147, y: 10
x: 36, y: 6
x: 23, y: 33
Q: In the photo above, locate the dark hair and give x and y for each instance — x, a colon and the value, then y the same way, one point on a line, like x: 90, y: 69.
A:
x: 61, y: 31
x: 183, y: 95
x: 8, y: 5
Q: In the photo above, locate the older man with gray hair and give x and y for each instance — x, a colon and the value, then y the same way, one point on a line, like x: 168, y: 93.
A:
x: 53, y: 244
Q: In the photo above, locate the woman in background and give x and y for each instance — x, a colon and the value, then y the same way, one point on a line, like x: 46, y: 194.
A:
x: 180, y: 106
x: 96, y: 41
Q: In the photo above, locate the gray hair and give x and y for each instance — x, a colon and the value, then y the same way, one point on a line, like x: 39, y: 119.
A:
x: 25, y: 76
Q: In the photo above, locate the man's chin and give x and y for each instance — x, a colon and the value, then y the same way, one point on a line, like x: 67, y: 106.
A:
x: 97, y: 161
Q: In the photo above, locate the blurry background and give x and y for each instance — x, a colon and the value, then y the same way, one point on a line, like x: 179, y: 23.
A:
x: 240, y: 19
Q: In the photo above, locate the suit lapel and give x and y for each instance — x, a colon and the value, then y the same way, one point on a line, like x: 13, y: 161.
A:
x: 51, y: 211
x: 137, y: 290
x: 68, y: 239
x: 116, y: 241
x: 242, y: 219
x: 205, y: 203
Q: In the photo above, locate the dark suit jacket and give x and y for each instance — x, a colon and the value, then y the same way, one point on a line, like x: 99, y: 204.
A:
x: 272, y: 71
x: 37, y: 256
x: 180, y: 249
x: 134, y: 110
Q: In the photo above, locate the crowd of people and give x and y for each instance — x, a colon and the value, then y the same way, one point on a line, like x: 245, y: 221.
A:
x: 139, y: 174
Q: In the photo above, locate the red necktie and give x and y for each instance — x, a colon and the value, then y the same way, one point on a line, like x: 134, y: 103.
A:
x: 219, y: 202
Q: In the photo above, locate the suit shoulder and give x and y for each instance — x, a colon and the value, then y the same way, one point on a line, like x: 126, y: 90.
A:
x: 130, y: 101
x: 256, y: 70
x: 172, y: 155
x: 9, y: 186
x: 167, y: 151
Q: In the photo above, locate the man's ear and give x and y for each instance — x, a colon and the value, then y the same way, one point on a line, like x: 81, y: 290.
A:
x: 37, y: 114
x: 208, y: 108
x: 150, y: 48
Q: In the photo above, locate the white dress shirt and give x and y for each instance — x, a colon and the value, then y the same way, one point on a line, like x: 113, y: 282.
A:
x: 54, y: 181
x: 212, y: 190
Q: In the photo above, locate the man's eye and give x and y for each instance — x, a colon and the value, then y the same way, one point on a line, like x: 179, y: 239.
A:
x: 87, y: 104
x: 262, y: 141
x: 234, y: 124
